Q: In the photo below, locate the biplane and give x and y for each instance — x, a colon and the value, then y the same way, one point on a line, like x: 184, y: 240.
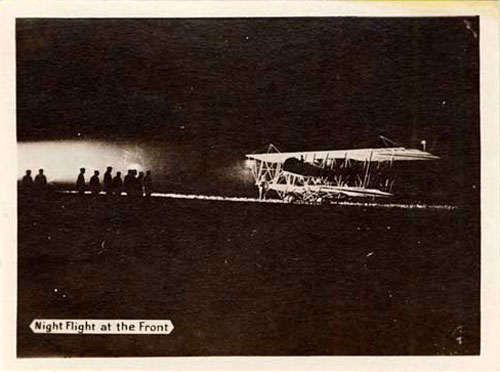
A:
x: 321, y: 176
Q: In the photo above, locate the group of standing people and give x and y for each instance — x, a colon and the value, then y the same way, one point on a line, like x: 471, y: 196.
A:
x: 133, y: 184
x: 39, y: 184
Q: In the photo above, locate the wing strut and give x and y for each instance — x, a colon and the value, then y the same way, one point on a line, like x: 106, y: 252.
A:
x: 388, y: 142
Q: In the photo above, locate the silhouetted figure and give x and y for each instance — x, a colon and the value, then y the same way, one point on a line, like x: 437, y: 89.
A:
x: 263, y: 187
x: 108, y: 181
x: 27, y: 181
x: 40, y: 181
x: 128, y: 182
x: 139, y: 184
x: 95, y: 184
x: 117, y: 184
x: 80, y: 182
x: 148, y: 184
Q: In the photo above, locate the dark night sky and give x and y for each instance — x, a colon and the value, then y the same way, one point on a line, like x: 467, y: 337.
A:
x: 224, y: 87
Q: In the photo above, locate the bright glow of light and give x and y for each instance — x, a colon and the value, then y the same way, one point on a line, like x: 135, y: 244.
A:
x: 62, y: 160
x: 249, y: 163
x: 136, y: 166
x: 237, y: 171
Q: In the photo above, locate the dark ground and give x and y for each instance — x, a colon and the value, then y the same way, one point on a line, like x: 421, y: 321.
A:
x: 249, y: 279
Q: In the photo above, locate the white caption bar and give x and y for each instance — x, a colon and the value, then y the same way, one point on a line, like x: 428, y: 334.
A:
x: 102, y: 326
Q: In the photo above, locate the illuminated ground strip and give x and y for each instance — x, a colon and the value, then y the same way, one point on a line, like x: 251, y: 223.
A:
x: 279, y: 201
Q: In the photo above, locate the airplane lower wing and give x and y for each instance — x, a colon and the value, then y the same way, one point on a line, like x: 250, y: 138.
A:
x: 330, y: 190
x: 356, y: 191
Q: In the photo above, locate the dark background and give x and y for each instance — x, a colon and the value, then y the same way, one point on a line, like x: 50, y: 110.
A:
x: 252, y: 278
x: 201, y: 93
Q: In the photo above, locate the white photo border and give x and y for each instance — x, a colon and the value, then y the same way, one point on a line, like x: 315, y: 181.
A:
x: 488, y: 12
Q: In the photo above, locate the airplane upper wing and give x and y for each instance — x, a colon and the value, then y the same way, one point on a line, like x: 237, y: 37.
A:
x: 375, y: 155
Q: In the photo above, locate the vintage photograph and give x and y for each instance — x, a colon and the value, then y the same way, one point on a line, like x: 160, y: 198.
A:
x: 267, y: 186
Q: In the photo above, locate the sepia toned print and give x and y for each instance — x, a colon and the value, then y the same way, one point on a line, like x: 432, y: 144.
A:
x: 304, y: 186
